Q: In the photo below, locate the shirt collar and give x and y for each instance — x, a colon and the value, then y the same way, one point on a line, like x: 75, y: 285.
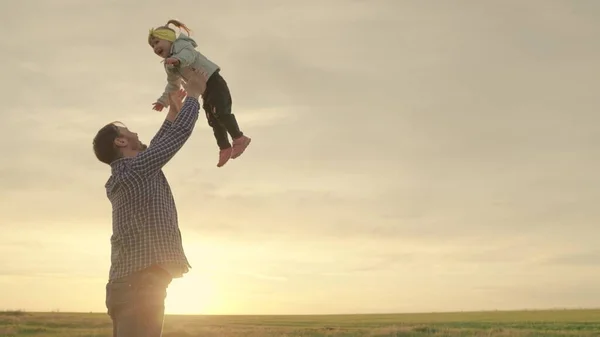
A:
x: 119, y: 164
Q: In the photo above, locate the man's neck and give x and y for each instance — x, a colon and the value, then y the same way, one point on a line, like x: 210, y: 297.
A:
x: 129, y: 153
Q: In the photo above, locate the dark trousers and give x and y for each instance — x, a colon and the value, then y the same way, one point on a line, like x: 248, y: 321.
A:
x: 136, y: 304
x: 217, y: 106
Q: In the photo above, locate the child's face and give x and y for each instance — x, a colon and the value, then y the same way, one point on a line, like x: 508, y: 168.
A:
x: 161, y: 48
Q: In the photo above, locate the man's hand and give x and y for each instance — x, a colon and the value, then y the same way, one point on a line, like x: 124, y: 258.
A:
x: 196, y: 83
x: 176, y: 99
x: 175, y: 103
x: 172, y: 60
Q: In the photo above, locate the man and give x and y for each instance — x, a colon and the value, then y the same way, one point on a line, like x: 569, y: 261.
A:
x: 146, y: 246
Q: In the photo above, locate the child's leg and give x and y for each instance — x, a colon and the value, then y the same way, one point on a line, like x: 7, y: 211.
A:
x: 221, y: 136
x: 221, y: 100
x: 219, y: 131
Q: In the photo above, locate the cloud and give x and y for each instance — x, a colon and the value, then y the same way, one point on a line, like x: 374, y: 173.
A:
x: 580, y: 294
x: 581, y: 259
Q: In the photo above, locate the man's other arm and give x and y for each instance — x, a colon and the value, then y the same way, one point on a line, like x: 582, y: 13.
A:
x: 174, y: 108
x: 158, y: 153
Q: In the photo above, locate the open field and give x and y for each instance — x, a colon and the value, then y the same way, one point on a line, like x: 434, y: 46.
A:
x: 508, y: 323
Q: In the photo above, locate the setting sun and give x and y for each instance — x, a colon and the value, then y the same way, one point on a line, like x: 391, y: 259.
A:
x: 193, y: 294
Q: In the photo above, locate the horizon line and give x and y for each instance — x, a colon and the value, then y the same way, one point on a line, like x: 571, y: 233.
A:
x: 58, y: 311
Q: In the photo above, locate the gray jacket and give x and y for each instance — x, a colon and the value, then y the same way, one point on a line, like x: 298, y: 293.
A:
x: 183, y: 49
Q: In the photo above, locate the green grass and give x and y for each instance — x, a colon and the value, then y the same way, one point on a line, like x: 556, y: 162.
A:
x: 548, y: 323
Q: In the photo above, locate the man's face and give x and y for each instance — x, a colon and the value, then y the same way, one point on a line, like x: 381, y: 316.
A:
x: 130, y: 139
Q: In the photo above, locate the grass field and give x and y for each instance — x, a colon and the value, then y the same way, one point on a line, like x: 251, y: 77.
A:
x: 508, y: 323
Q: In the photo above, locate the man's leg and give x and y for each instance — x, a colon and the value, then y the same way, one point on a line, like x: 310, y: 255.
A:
x: 136, y: 305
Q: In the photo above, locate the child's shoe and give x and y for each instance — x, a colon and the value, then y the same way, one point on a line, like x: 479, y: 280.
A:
x: 224, y: 156
x: 239, y: 146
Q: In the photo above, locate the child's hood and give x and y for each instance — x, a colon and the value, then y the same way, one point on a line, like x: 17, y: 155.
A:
x: 183, y: 41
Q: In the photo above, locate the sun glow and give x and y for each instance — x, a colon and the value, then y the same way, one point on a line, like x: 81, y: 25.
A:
x: 193, y: 294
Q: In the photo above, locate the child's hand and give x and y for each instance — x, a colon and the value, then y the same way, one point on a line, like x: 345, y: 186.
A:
x: 158, y: 106
x: 172, y: 60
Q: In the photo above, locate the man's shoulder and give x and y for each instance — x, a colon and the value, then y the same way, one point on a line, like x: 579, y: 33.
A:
x: 127, y: 174
x: 113, y: 182
x: 121, y: 173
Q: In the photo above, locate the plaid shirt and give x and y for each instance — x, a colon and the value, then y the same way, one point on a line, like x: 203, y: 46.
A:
x: 145, y: 227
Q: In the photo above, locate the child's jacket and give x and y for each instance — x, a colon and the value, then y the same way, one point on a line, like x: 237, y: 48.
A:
x: 183, y: 49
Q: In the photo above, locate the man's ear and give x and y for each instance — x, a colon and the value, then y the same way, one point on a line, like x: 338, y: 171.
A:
x: 121, y: 142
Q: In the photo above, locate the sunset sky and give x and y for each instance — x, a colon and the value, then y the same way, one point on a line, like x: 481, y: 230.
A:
x: 407, y: 155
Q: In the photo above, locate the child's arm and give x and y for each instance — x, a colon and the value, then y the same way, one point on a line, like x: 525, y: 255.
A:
x: 184, y: 57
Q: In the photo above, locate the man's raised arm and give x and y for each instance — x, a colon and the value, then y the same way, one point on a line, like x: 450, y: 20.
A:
x: 158, y: 153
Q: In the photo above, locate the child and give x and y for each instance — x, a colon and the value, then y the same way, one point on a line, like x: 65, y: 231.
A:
x: 180, y: 52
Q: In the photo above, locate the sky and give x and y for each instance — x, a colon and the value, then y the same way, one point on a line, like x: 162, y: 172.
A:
x: 407, y: 156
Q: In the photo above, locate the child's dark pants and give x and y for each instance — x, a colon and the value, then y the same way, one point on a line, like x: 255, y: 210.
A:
x: 217, y: 106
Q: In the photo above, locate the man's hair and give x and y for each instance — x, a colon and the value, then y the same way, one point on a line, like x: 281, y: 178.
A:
x: 104, y: 144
